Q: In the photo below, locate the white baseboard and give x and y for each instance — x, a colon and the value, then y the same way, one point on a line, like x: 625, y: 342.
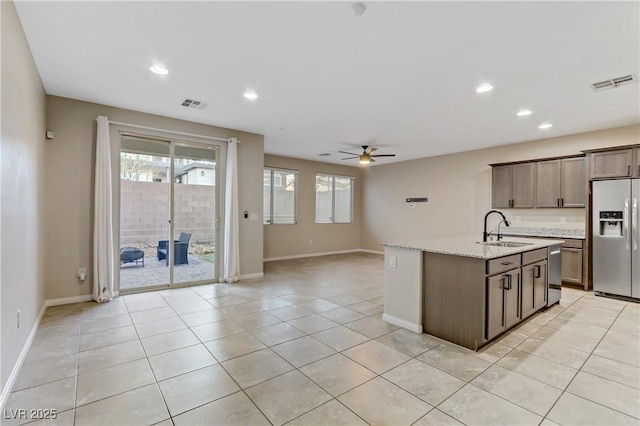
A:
x: 251, y: 276
x: 6, y: 390
x: 416, y: 328
x: 380, y: 252
x: 301, y: 256
x: 67, y: 300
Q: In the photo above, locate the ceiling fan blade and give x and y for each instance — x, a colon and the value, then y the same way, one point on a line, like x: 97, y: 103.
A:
x: 371, y: 149
x: 350, y: 158
x: 345, y: 152
x: 384, y: 155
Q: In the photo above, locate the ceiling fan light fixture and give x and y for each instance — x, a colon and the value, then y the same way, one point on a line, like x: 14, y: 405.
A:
x: 365, y: 159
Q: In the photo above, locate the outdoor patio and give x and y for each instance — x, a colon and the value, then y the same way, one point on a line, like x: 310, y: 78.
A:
x: 156, y: 271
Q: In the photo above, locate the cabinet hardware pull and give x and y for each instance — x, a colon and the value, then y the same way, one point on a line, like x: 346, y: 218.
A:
x: 538, y: 271
x: 507, y: 263
x: 629, y: 170
x: 510, y: 281
x: 505, y: 282
x: 558, y: 202
x: 638, y: 169
x: 561, y: 202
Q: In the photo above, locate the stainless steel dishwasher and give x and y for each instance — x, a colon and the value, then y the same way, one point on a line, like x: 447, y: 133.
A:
x: 554, y: 290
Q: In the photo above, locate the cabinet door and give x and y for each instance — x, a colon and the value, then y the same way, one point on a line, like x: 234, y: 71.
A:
x: 540, y: 284
x: 528, y: 278
x: 574, y: 182
x: 572, y: 265
x: 522, y: 190
x: 512, y: 300
x: 611, y: 163
x: 501, y: 187
x: 548, y: 177
x: 496, y: 288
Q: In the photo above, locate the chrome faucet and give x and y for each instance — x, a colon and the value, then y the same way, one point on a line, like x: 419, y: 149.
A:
x: 504, y: 219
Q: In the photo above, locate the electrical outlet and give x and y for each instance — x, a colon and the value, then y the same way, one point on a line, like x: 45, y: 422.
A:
x: 18, y: 318
x: 82, y: 274
x: 393, y: 261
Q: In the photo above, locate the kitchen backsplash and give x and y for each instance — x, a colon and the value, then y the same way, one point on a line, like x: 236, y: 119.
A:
x: 570, y: 226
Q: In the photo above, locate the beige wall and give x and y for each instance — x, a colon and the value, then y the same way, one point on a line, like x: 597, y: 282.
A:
x: 293, y: 240
x: 459, y: 189
x: 69, y: 188
x: 21, y: 190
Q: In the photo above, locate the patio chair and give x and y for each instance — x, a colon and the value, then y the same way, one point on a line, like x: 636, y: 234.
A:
x: 180, y: 249
x: 131, y: 254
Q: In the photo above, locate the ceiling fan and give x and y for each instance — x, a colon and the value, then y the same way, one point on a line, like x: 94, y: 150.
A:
x: 367, y: 155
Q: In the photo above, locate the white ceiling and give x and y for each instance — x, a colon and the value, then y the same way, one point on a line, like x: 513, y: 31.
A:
x: 401, y: 77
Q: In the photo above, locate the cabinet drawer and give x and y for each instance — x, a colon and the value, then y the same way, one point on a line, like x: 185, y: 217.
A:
x: 534, y: 256
x: 572, y: 244
x: 495, y: 266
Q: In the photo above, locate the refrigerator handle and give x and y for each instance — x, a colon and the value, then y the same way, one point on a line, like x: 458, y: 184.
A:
x: 634, y: 224
x: 625, y: 222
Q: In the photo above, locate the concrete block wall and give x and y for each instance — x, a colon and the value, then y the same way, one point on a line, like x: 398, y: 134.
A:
x: 144, y: 212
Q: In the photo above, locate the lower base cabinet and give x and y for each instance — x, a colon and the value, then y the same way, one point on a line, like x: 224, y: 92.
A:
x: 534, y: 288
x: 503, y: 310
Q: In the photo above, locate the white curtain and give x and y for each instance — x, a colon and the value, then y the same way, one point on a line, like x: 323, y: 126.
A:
x: 103, y: 257
x: 231, y: 263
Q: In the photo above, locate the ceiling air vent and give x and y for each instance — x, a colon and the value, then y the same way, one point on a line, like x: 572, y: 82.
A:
x: 191, y: 103
x: 614, y: 82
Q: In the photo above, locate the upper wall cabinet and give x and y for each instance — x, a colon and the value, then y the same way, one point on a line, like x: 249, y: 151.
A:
x: 512, y: 186
x: 612, y: 164
x: 561, y: 183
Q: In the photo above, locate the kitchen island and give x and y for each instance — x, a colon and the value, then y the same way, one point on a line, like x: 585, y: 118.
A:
x: 463, y: 291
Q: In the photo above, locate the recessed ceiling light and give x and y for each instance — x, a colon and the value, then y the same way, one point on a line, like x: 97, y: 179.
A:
x: 159, y: 69
x: 524, y: 112
x: 251, y: 95
x: 545, y: 126
x: 483, y: 88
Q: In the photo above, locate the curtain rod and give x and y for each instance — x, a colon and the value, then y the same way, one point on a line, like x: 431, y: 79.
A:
x: 136, y: 126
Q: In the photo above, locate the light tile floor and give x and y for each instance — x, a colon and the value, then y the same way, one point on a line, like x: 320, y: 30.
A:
x: 306, y: 345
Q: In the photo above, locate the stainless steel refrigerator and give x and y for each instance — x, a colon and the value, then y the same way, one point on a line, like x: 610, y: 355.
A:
x: 616, y: 237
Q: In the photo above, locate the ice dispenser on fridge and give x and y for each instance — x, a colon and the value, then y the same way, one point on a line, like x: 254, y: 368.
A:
x: 611, y: 224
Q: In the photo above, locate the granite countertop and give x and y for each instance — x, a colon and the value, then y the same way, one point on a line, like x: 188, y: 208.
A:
x: 469, y: 247
x: 526, y: 231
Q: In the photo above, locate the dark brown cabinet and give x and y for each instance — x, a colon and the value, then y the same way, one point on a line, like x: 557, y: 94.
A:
x: 573, y: 182
x: 501, y: 187
x: 561, y: 183
x: 503, y: 302
x: 512, y: 186
x: 613, y: 164
x: 572, y: 265
x: 534, y: 288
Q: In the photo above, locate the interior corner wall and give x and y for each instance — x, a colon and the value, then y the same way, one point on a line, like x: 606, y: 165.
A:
x: 21, y: 190
x: 459, y: 188
x: 69, y: 175
x: 307, y: 237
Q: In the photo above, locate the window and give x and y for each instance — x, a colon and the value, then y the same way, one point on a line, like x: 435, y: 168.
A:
x: 280, y: 196
x: 334, y: 199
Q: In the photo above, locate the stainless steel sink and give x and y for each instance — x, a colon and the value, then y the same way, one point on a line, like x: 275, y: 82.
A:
x: 505, y: 244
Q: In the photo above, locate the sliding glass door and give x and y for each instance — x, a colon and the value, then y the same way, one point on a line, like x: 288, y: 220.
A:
x: 168, y: 213
x: 195, y: 214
